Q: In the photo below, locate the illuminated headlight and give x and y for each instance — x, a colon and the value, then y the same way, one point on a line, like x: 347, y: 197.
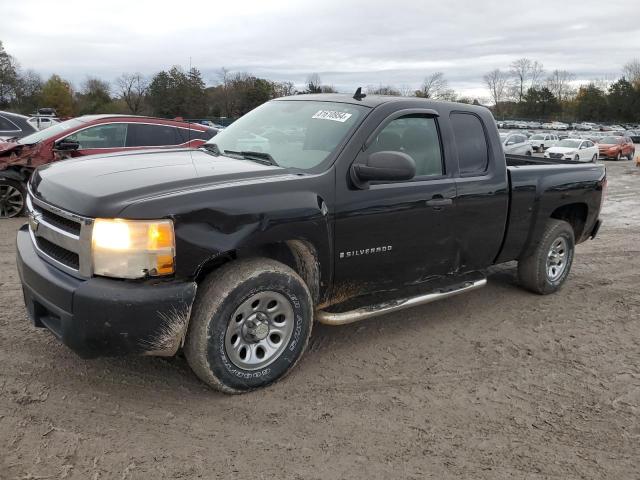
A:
x: 132, y: 248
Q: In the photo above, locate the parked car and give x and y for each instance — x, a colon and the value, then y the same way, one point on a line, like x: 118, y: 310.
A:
x: 583, y: 127
x: 41, y: 122
x: 559, y: 126
x: 634, y: 135
x: 13, y: 125
x: 576, y: 149
x: 389, y: 202
x: 516, y: 144
x: 541, y: 141
x: 616, y: 147
x: 84, y: 136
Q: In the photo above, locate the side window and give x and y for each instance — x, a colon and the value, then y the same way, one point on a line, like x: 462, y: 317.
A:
x: 417, y: 136
x: 471, y: 142
x: 7, y: 125
x: 146, y: 135
x: 111, y: 135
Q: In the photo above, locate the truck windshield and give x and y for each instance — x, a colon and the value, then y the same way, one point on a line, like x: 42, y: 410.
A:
x: 297, y: 134
x: 51, y: 131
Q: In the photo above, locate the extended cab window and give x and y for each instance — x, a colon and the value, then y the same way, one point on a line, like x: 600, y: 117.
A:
x: 417, y: 136
x: 471, y: 142
x: 146, y: 135
x: 110, y: 135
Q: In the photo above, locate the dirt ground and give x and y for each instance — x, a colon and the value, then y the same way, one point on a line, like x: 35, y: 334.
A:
x: 498, y: 383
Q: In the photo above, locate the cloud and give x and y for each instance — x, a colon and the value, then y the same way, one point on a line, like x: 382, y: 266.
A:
x: 349, y: 43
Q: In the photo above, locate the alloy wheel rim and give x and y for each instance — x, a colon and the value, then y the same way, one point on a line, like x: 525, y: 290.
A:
x: 11, y: 201
x: 557, y: 259
x: 259, y: 330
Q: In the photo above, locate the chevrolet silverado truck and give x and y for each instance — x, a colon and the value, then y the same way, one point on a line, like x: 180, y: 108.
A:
x: 313, y: 208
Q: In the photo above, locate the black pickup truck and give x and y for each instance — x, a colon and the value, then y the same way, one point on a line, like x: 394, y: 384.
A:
x: 325, y: 208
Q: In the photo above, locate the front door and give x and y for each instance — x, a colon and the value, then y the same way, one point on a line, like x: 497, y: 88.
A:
x: 397, y: 233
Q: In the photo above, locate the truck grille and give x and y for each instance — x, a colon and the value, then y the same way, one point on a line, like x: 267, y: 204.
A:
x: 62, y: 238
x: 59, y: 253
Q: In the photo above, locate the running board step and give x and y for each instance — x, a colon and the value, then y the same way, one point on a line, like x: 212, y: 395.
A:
x: 364, y: 313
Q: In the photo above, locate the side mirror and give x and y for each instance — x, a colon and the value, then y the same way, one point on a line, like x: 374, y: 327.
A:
x: 383, y: 166
x: 67, y: 145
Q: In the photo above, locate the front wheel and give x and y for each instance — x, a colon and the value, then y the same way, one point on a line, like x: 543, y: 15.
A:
x: 546, y: 269
x: 576, y: 158
x: 619, y: 157
x: 12, y: 198
x: 594, y: 159
x: 250, y: 324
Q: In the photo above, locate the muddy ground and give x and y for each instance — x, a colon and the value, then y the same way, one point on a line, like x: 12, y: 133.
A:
x: 498, y: 383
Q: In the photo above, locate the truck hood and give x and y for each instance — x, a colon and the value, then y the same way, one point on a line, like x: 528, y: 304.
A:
x: 104, y: 185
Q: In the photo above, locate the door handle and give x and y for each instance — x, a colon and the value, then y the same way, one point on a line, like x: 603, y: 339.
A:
x: 439, y: 202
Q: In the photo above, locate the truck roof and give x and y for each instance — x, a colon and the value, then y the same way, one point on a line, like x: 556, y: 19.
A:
x: 373, y: 101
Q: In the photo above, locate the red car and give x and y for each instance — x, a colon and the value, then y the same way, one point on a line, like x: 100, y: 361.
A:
x: 616, y: 148
x: 87, y: 135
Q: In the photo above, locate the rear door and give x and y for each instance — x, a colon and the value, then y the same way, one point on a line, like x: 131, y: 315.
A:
x: 149, y: 135
x: 482, y: 193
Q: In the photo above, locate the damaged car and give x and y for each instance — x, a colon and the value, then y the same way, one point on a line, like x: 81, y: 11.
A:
x: 83, y: 136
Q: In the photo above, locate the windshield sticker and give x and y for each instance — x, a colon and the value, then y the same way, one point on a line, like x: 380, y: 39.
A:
x: 332, y: 115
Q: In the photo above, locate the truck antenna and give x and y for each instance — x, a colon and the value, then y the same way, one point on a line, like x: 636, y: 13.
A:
x: 359, y: 95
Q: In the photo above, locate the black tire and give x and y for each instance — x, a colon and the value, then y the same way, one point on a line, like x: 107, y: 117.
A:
x: 9, y: 209
x: 219, y: 295
x: 532, y: 270
x: 619, y: 156
x: 528, y: 153
x: 576, y: 158
x: 594, y: 159
x: 630, y: 156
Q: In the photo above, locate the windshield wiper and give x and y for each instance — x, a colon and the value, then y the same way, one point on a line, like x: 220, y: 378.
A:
x: 260, y: 157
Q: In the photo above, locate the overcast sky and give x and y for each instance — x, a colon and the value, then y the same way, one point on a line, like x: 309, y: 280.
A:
x: 349, y: 43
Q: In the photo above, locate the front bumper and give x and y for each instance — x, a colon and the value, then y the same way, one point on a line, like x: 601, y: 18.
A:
x: 100, y: 316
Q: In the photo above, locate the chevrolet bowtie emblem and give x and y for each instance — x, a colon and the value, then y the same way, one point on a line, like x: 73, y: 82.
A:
x: 34, y: 222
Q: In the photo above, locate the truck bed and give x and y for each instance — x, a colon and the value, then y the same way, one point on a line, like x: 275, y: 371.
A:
x: 524, y: 160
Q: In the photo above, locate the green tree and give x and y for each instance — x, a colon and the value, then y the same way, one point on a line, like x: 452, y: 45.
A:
x: 591, y: 103
x: 94, y: 96
x: 624, y: 101
x: 176, y: 93
x: 8, y: 77
x: 539, y: 103
x: 28, y: 92
x: 57, y: 93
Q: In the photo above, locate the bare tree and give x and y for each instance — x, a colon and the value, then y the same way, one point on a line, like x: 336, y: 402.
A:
x: 406, y: 90
x: 559, y: 82
x: 526, y: 73
x: 497, y: 82
x: 133, y: 88
x: 631, y: 72
x: 383, y: 90
x: 283, y: 89
x: 314, y: 84
x: 435, y: 86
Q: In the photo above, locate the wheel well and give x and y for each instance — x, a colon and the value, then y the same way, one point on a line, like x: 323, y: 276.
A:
x: 575, y: 214
x: 297, y: 254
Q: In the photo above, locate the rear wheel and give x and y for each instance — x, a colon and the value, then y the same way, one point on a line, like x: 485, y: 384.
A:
x: 250, y: 324
x: 12, y: 198
x: 546, y: 269
x: 631, y: 155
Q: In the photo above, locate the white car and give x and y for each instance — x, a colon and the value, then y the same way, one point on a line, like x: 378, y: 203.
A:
x: 559, y: 126
x: 40, y: 123
x: 577, y: 149
x: 541, y: 141
x: 516, y: 144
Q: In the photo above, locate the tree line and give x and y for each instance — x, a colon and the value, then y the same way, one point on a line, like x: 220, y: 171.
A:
x: 524, y: 90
